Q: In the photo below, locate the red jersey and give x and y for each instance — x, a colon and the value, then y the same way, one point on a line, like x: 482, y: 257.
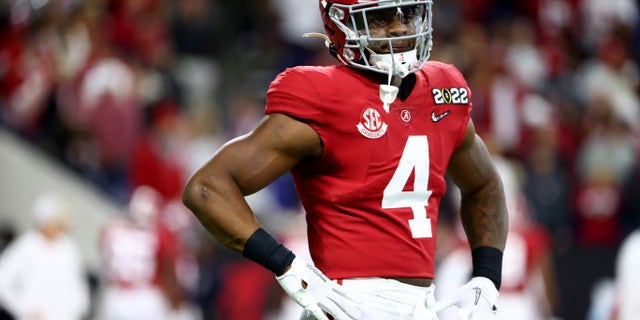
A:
x: 524, y: 248
x: 372, y: 198
x: 132, y: 255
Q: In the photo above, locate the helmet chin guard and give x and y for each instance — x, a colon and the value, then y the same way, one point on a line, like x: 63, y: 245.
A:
x: 400, y: 64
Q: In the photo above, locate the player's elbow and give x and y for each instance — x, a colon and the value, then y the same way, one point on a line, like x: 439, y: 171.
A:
x: 195, y: 193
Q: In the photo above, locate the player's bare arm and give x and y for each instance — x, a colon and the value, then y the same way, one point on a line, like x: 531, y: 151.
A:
x: 484, y: 217
x: 215, y: 192
x: 483, y: 208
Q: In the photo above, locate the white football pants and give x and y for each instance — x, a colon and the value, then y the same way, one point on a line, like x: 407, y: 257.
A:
x: 388, y: 299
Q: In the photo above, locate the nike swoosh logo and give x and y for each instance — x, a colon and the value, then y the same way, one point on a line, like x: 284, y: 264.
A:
x: 478, y: 294
x: 437, y: 117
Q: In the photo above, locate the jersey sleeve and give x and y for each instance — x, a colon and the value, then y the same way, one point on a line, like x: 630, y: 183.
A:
x: 296, y: 93
x: 292, y: 93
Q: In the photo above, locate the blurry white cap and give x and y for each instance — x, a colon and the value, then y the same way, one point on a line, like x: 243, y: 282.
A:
x: 145, y: 205
x: 108, y: 76
x: 49, y: 207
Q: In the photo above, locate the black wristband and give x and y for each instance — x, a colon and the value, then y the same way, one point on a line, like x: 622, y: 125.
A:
x: 265, y: 250
x: 487, y: 262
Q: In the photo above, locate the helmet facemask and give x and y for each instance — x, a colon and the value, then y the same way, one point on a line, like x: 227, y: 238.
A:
x: 369, y: 46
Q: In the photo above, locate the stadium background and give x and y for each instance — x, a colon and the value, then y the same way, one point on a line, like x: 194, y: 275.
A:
x: 98, y: 97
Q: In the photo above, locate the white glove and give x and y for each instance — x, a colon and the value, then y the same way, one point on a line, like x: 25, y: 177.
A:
x: 476, y: 300
x: 312, y: 290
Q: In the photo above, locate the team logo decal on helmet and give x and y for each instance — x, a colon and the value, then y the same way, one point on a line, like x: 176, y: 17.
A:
x: 371, y: 124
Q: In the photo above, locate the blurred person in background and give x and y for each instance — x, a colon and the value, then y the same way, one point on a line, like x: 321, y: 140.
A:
x: 547, y: 187
x: 42, y: 276
x: 627, y: 279
x: 7, y: 235
x: 155, y: 159
x: 530, y: 289
x: 607, y: 156
x: 529, y: 286
x: 630, y: 217
x: 139, y: 279
x: 180, y: 223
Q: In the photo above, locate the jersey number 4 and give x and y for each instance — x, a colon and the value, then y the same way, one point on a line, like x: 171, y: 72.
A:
x: 415, y: 158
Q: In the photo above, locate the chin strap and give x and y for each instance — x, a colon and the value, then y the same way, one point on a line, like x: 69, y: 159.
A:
x: 388, y: 93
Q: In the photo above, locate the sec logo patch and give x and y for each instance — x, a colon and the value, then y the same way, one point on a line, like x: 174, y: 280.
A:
x: 371, y: 124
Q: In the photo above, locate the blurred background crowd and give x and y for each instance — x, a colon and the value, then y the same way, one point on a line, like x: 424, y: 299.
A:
x: 134, y: 95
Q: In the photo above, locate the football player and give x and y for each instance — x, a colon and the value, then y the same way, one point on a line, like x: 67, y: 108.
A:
x: 138, y: 258
x: 368, y: 142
